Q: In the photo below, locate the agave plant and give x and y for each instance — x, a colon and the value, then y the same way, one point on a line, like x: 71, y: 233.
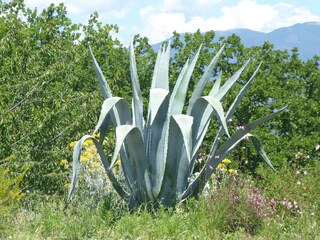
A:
x: 158, y: 155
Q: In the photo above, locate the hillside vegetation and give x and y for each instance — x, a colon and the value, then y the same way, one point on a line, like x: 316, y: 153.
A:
x: 50, y: 97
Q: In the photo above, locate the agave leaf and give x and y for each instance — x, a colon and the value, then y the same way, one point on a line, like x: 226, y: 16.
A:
x: 136, y: 166
x: 178, y: 159
x: 180, y: 90
x: 156, y: 142
x: 215, y: 160
x: 229, y: 83
x: 202, y: 111
x: 185, y: 125
x: 243, y: 133
x: 76, y: 167
x: 104, y: 128
x: 160, y: 77
x: 122, y: 108
x: 157, y: 97
x: 204, y: 80
x: 175, y: 97
x: 240, y: 95
x: 246, y: 129
x: 106, y: 91
x: 216, y: 85
x: 258, y: 146
x: 233, y: 106
x: 137, y: 102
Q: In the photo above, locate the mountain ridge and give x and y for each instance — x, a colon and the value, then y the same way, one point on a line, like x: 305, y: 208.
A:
x: 304, y: 36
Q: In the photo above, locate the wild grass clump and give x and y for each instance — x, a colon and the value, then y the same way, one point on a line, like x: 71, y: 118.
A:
x: 10, y: 194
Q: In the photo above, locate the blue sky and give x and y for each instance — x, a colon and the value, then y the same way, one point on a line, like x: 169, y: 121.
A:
x: 158, y: 19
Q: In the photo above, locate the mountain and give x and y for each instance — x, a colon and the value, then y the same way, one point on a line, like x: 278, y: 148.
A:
x: 304, y: 36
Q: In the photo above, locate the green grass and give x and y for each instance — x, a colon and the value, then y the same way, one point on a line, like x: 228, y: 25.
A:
x: 228, y: 213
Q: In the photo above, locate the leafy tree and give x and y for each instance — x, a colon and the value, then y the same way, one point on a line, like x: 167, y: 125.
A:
x: 48, y: 88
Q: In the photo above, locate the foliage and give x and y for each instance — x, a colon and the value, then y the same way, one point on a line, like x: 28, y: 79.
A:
x: 47, y: 88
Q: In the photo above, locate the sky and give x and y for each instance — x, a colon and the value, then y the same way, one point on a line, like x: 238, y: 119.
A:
x: 158, y: 19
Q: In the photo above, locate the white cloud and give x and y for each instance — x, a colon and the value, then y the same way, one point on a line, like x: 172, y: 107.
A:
x: 288, y: 15
x: 159, y: 23
x: 120, y: 13
x: 144, y: 12
x: 83, y: 8
x: 246, y: 14
x: 208, y: 1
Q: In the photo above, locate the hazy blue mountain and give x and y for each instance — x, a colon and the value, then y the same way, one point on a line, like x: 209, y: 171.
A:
x: 304, y: 36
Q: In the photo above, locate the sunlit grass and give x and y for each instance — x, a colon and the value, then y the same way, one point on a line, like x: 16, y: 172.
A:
x: 238, y: 208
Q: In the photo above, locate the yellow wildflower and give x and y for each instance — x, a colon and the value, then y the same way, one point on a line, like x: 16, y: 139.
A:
x: 231, y: 170
x: 92, y: 150
x: 88, y: 142
x: 88, y: 154
x: 64, y: 163
x: 67, y: 185
x: 84, y: 159
x: 221, y: 166
x: 95, y: 164
x: 72, y: 144
x: 226, y: 161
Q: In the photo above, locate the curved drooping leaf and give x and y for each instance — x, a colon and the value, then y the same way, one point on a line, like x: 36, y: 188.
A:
x: 258, y: 146
x: 202, y: 111
x: 218, y: 154
x: 246, y: 129
x: 177, y: 167
x: 232, y: 108
x: 76, y: 167
x: 136, y: 164
x: 122, y: 108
